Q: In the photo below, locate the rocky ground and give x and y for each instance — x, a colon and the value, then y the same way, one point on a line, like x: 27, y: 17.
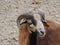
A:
x: 11, y: 9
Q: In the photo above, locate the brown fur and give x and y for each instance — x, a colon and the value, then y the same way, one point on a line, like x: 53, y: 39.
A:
x: 24, y: 34
x: 52, y: 34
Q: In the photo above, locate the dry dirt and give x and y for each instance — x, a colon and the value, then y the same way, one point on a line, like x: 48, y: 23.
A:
x: 11, y: 9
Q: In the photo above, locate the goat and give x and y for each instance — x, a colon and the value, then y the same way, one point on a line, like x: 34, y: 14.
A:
x: 34, y: 29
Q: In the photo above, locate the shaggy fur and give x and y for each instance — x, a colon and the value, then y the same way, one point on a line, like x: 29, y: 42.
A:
x: 24, y: 34
x: 52, y: 35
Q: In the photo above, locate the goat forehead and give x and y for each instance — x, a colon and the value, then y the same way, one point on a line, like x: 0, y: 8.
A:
x: 39, y: 23
x: 37, y: 17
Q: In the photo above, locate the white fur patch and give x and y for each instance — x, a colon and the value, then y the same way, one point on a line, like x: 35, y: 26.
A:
x: 22, y: 20
x: 32, y: 28
x: 39, y: 25
x: 31, y: 25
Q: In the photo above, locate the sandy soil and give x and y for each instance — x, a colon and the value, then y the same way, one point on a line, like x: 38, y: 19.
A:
x: 11, y: 9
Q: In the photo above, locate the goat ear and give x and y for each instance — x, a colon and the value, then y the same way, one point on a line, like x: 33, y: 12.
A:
x: 46, y: 24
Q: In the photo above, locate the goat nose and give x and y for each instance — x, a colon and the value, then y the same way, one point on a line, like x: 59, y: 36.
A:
x: 42, y: 32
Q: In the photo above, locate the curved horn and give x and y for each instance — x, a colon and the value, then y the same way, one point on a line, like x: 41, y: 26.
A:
x: 18, y: 22
x: 23, y: 17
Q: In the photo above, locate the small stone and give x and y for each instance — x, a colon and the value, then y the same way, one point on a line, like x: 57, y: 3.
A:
x: 15, y: 39
x: 57, y: 16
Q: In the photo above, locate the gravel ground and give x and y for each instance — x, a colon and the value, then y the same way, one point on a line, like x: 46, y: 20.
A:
x: 11, y: 9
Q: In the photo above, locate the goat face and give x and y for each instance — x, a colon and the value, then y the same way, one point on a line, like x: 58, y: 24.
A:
x: 39, y: 25
x: 36, y: 22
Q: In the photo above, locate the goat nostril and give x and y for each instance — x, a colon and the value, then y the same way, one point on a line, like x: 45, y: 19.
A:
x: 42, y: 32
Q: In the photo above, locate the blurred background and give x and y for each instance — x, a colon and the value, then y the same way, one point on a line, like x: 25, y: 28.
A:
x: 11, y: 9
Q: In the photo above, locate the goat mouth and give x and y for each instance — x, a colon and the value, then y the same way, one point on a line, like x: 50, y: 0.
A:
x: 41, y: 34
